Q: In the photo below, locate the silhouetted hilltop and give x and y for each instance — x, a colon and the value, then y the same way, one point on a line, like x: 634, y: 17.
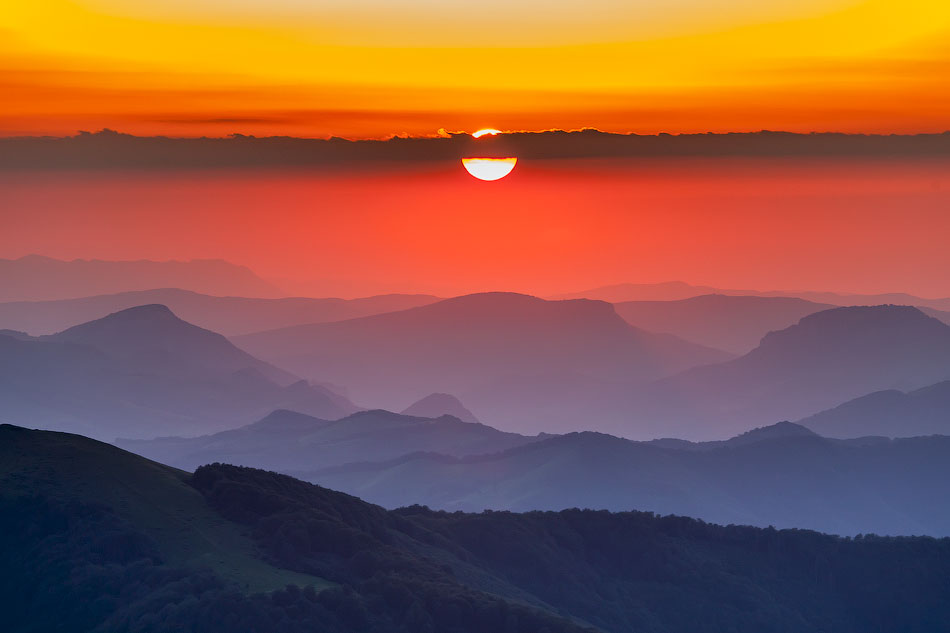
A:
x: 827, y: 358
x: 438, y: 404
x: 677, y: 290
x: 143, y: 372
x: 889, y: 413
x: 521, y: 362
x: 150, y: 335
x: 163, y: 551
x: 288, y: 442
x: 227, y: 315
x: 112, y: 149
x: 35, y: 277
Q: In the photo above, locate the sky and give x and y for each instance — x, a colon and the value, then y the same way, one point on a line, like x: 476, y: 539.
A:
x: 374, y: 68
x: 550, y: 227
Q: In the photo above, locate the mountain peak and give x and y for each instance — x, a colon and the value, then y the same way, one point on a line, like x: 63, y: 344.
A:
x: 438, y: 404
x: 778, y: 430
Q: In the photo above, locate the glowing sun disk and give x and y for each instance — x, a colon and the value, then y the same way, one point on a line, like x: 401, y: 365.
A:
x: 486, y: 131
x: 489, y: 168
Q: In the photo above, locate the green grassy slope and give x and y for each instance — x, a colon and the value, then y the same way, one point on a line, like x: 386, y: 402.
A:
x: 154, y: 497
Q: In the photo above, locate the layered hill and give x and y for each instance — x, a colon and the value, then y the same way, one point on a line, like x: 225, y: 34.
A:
x: 143, y: 372
x: 889, y: 413
x: 827, y: 358
x: 438, y: 404
x: 227, y: 315
x: 287, y: 441
x: 732, y: 323
x: 784, y: 476
x: 677, y: 290
x: 519, y: 362
x: 105, y: 540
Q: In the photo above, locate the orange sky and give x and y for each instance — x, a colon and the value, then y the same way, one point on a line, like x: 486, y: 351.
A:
x: 372, y: 68
x: 549, y: 227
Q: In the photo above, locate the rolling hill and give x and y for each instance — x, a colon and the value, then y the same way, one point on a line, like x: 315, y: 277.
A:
x: 143, y: 372
x: 889, y: 413
x: 439, y: 404
x: 518, y: 362
x: 287, y: 441
x: 677, y: 290
x: 827, y: 358
x: 784, y: 476
x: 104, y: 540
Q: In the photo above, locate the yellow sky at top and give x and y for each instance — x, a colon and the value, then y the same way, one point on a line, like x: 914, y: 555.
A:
x: 106, y: 56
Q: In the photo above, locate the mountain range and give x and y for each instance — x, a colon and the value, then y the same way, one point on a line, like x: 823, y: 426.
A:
x: 677, y: 290
x: 34, y: 278
x: 784, y: 476
x: 288, y: 441
x: 143, y: 372
x: 826, y: 359
x: 226, y: 315
x: 104, y: 540
x: 891, y: 413
x: 519, y: 362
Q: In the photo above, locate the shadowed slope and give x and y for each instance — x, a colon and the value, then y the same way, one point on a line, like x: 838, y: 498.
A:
x: 417, y: 570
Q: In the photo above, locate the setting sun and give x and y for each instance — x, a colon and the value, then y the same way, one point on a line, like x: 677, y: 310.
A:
x: 489, y: 168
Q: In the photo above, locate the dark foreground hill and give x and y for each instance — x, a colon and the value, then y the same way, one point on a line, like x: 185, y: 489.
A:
x: 143, y: 372
x: 783, y: 475
x: 95, y: 539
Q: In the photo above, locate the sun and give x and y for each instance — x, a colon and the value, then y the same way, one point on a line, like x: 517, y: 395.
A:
x: 489, y: 168
x: 487, y: 130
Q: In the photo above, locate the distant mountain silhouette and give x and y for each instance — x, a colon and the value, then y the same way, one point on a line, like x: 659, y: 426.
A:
x: 110, y: 149
x: 941, y: 315
x: 732, y: 323
x: 149, y: 336
x: 663, y: 291
x: 103, y: 540
x: 143, y: 372
x: 827, y: 358
x: 287, y: 441
x: 889, y: 413
x: 438, y: 404
x: 35, y: 277
x: 677, y: 290
x: 227, y: 315
x: 520, y: 362
x: 783, y: 475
